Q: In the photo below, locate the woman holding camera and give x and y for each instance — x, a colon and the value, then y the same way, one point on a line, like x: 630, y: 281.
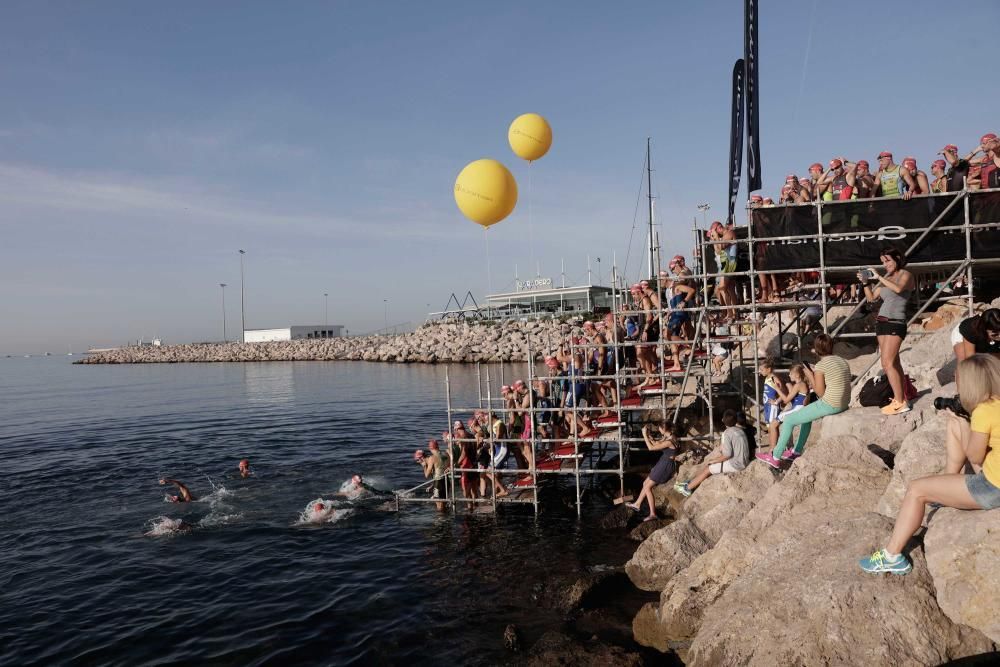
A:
x: 977, y: 442
x: 894, y: 288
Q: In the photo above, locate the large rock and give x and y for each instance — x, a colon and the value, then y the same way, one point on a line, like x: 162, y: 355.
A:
x: 921, y: 454
x: 717, y: 505
x: 835, y: 478
x: 963, y: 556
x: 665, y: 553
x: 821, y: 609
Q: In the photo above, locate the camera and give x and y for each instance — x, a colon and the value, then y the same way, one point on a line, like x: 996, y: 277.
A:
x: 867, y: 275
x: 951, y: 403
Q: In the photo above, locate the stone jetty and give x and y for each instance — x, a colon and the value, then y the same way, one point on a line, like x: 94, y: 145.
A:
x: 434, y: 342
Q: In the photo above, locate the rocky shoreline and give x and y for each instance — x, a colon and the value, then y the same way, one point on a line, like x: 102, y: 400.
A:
x: 434, y: 342
x: 760, y: 567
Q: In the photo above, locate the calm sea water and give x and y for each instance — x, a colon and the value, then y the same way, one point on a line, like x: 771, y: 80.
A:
x: 91, y: 573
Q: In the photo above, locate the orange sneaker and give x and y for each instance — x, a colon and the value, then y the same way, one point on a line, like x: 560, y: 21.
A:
x: 896, y: 408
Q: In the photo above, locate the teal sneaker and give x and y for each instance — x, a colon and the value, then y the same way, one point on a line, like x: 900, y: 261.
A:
x: 880, y: 562
x: 682, y: 488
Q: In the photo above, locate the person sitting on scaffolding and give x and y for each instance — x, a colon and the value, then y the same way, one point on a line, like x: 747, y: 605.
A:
x: 722, y: 241
x: 732, y: 456
x: 666, y: 441
x: 607, y: 330
x: 633, y: 321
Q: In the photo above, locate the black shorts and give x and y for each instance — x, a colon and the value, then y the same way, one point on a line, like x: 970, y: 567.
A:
x: 440, y: 488
x: 884, y: 327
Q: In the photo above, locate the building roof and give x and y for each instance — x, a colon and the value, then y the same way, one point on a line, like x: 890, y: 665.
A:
x: 554, y: 292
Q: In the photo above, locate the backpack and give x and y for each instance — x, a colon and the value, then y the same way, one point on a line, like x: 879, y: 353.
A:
x: 878, y: 393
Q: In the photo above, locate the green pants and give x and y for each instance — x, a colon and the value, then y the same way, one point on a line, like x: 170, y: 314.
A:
x: 803, y: 418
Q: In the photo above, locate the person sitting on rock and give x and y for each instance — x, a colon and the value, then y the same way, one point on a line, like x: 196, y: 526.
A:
x: 668, y: 442
x: 979, y: 334
x: 732, y: 456
x: 793, y: 395
x: 976, y: 441
x: 831, y: 381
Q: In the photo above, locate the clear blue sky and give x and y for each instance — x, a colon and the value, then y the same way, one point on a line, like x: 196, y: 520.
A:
x: 141, y: 144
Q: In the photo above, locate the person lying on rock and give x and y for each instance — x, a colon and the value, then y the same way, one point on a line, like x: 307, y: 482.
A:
x: 732, y: 456
x: 976, y: 441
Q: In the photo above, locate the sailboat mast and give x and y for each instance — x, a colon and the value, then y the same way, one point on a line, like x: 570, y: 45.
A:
x: 649, y: 194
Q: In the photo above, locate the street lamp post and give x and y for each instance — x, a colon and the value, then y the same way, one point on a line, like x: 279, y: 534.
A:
x: 224, y: 338
x: 243, y: 312
x: 385, y: 321
x: 704, y: 210
x: 326, y: 309
x: 598, y: 270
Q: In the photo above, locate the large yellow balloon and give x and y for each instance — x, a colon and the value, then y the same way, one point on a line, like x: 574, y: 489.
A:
x: 530, y: 136
x: 485, y: 192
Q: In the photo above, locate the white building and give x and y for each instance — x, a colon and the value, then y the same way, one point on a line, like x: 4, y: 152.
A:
x: 293, y: 333
x: 540, y: 296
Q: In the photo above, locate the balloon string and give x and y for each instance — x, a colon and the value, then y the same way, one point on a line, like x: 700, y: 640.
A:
x: 489, y: 270
x: 531, y: 235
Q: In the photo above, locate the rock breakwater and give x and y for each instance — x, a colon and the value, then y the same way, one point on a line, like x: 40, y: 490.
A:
x: 438, y: 342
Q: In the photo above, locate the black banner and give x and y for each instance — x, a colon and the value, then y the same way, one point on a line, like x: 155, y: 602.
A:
x: 736, y: 139
x: 752, y: 96
x: 892, y: 221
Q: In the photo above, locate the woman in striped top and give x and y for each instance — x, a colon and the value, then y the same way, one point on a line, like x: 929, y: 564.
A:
x: 831, y: 380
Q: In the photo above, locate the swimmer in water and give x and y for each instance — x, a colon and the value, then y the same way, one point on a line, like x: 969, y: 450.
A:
x: 245, y: 468
x: 359, y: 486
x: 184, y: 496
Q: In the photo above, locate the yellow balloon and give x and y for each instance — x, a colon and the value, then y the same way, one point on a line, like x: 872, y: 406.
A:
x: 530, y: 136
x: 485, y: 192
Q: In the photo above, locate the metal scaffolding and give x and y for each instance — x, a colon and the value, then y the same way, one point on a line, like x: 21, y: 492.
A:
x: 585, y: 456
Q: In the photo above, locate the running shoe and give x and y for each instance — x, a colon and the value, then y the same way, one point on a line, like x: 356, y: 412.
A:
x: 895, y: 408
x: 769, y: 460
x: 682, y: 488
x: 880, y: 562
x: 790, y: 455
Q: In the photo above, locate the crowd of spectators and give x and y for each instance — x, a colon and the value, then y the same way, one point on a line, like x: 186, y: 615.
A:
x: 843, y: 179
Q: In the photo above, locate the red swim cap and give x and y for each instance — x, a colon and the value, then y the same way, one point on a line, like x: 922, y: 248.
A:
x: 791, y: 178
x: 950, y: 147
x: 756, y: 198
x: 815, y: 166
x: 863, y: 163
x: 319, y: 507
x: 940, y: 164
x: 768, y: 200
x: 910, y: 163
x: 885, y: 154
x: 715, y: 226
x: 987, y: 138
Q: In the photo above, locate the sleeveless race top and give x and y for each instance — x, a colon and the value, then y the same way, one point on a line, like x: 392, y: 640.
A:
x: 770, y: 390
x: 891, y: 182
x: 800, y: 399
x: 893, y: 305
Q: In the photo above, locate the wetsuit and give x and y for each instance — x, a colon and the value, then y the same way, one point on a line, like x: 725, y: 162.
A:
x: 677, y: 317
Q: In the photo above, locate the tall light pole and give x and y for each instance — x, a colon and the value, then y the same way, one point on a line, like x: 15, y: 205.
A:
x: 598, y: 270
x: 224, y: 338
x: 326, y: 309
x: 243, y: 311
x: 704, y: 210
x: 385, y: 328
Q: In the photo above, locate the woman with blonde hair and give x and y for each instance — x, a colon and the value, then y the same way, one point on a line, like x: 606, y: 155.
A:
x: 976, y: 441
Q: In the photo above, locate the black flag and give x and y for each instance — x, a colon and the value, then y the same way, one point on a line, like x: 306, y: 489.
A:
x: 736, y: 139
x: 753, y: 97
